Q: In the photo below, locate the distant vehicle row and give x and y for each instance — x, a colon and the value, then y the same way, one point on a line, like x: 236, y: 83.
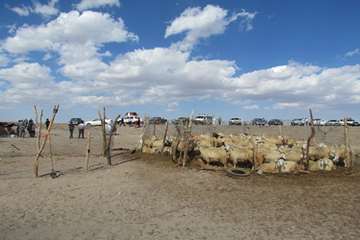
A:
x: 320, y: 122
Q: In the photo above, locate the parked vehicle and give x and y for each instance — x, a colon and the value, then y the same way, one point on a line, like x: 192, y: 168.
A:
x: 180, y: 120
x: 131, y: 118
x: 97, y: 122
x: 259, y: 122
x: 298, y: 122
x: 75, y: 121
x: 157, y: 120
x: 349, y: 121
x: 203, y: 120
x: 356, y: 124
x: 275, y: 122
x: 332, y: 122
x: 235, y: 121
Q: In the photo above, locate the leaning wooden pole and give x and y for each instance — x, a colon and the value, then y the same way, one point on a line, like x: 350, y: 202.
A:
x: 312, y: 135
x: 102, y: 119
x: 347, y: 144
x: 143, y: 136
x: 109, y: 143
x: 87, y: 154
x: 51, y: 154
x: 187, y: 136
x: 38, y: 121
x: 164, y: 137
x: 36, y: 160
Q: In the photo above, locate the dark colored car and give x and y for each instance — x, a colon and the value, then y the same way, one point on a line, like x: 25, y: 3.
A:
x: 76, y: 121
x: 157, y: 120
x: 259, y: 122
x: 356, y: 124
x: 275, y: 122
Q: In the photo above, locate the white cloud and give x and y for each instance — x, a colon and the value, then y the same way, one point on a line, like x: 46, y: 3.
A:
x: 45, y: 10
x: 159, y: 75
x: 90, y: 4
x: 21, y: 10
x: 69, y: 28
x: 352, y: 53
x: 200, y: 23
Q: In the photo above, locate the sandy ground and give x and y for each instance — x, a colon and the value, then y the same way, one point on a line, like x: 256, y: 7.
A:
x: 149, y: 198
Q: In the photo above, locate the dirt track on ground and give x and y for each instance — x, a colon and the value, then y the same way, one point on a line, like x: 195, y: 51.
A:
x: 149, y: 198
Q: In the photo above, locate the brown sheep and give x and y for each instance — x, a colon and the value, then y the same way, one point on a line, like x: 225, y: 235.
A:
x: 213, y: 155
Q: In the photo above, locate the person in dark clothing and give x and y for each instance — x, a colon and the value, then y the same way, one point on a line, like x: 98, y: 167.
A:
x: 47, y: 123
x: 81, y: 128
x: 138, y: 122
x: 71, y: 129
x: 31, y: 128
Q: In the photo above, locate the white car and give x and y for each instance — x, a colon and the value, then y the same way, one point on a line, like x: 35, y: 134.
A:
x: 97, y: 122
x: 349, y: 121
x: 235, y: 121
x: 132, y: 119
x: 203, y: 120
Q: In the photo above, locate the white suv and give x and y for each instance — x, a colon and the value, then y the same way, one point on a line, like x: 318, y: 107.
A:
x: 97, y: 122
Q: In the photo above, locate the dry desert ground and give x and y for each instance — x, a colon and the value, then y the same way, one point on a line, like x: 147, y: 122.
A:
x: 148, y: 197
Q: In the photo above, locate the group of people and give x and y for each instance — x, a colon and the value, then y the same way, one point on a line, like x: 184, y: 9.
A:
x: 81, y: 129
x: 29, y: 126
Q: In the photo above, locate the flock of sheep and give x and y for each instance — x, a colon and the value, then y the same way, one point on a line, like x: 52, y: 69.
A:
x: 263, y: 154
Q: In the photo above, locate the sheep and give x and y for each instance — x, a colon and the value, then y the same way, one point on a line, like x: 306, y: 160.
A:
x: 323, y: 164
x: 286, y: 166
x: 267, y: 168
x: 318, y: 152
x: 212, y: 154
x: 237, y: 155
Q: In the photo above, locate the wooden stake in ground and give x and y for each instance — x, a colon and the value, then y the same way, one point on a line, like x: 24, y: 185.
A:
x: 312, y: 135
x: 87, y: 154
x: 51, y: 155
x: 103, y: 122
x: 164, y: 137
x: 143, y: 136
x: 154, y: 129
x: 36, y: 160
x: 109, y: 143
x: 187, y: 137
x: 348, y: 162
x: 38, y: 121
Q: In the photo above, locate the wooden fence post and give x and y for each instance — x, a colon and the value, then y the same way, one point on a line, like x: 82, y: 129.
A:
x: 164, y: 137
x: 312, y: 135
x: 347, y: 145
x: 87, y: 154
x: 36, y: 160
x: 109, y: 143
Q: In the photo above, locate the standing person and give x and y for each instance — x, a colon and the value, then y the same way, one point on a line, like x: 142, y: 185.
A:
x: 71, y: 129
x: 22, y: 128
x: 47, y: 123
x: 30, y: 128
x: 138, y: 122
x: 81, y: 128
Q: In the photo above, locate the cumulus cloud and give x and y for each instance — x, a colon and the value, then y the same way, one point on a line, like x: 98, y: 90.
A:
x: 45, y: 10
x: 199, y: 23
x: 91, y: 4
x: 21, y: 10
x: 69, y: 28
x: 76, y: 37
x: 352, y: 53
x: 164, y: 75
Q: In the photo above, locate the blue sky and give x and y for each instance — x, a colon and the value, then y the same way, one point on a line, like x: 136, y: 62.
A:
x: 227, y: 58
